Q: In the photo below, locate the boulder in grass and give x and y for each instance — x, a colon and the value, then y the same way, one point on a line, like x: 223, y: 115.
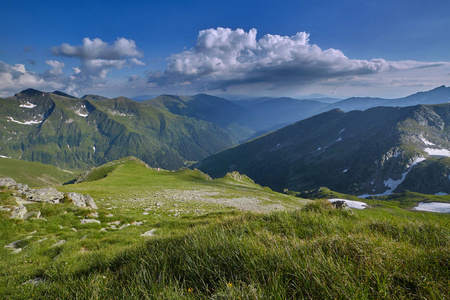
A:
x: 149, y: 233
x: 46, y: 194
x: 81, y: 200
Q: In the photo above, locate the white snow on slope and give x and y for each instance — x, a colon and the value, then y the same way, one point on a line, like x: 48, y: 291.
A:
x: 351, y: 203
x: 426, y: 142
x: 438, y: 207
x: 27, y: 105
x: 23, y: 123
x: 441, y: 194
x: 392, y: 184
x: 437, y: 152
x: 2, y: 156
x: 80, y: 113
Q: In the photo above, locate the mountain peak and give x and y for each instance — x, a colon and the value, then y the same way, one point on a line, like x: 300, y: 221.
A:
x: 29, y: 92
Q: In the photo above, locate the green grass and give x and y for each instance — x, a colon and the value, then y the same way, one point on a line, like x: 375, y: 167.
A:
x: 33, y: 173
x: 215, y: 251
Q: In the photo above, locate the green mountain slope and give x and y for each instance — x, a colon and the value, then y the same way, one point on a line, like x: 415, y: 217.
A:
x: 77, y: 133
x: 360, y: 152
x: 229, y: 116
x: 33, y: 173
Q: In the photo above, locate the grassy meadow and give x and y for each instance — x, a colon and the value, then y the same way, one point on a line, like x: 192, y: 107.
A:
x: 226, y: 238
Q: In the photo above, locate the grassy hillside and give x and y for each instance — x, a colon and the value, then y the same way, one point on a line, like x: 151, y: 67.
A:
x: 210, y: 242
x: 33, y: 173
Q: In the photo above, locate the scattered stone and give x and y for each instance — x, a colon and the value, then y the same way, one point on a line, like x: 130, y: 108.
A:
x: 19, y: 212
x: 34, y: 281
x: 61, y: 227
x: 74, y: 229
x: 17, y: 250
x: 109, y: 215
x: 41, y: 240
x: 57, y: 244
x: 149, y: 233
x: 114, y: 223
x: 4, y: 208
x: 176, y: 205
x: 135, y: 223
x: 14, y: 244
x: 145, y: 213
x: 124, y: 226
x: 88, y: 221
x: 33, y: 232
x: 94, y: 215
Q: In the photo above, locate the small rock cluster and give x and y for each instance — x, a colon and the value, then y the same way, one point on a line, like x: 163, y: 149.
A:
x: 23, y: 195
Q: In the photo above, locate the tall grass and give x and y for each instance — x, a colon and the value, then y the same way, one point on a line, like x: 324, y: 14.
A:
x: 314, y: 253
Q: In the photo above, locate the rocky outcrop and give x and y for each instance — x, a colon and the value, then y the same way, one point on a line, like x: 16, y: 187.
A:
x: 47, y: 194
x: 24, y: 195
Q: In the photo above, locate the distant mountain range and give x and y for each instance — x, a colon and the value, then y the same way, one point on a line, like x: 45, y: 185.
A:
x: 377, y: 151
x: 168, y: 131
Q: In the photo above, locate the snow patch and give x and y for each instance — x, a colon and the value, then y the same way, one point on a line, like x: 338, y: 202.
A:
x: 392, y: 184
x: 23, y: 123
x: 93, y: 148
x: 437, y: 152
x: 438, y: 207
x: 341, y: 131
x: 339, y: 139
x: 80, y: 113
x: 426, y: 142
x: 396, y: 154
x: 28, y: 105
x: 320, y: 148
x: 345, y: 171
x: 2, y: 156
x: 350, y: 203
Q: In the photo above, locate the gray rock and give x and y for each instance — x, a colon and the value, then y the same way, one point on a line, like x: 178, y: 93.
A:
x: 82, y: 201
x: 57, y: 244
x: 14, y: 244
x: 89, y: 221
x: 4, y: 208
x: 34, y: 281
x: 19, y: 212
x: 135, y: 223
x: 7, y: 181
x: 124, y: 226
x: 340, y: 204
x: 149, y: 233
x: 46, y: 194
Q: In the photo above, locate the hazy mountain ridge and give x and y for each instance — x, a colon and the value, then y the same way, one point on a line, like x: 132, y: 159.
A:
x: 359, y: 152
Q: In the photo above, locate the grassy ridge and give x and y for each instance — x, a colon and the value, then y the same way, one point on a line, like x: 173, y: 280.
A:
x: 315, y: 253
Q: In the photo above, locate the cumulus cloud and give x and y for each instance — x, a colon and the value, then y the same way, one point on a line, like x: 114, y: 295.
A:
x: 223, y: 58
x: 14, y: 78
x: 98, y: 49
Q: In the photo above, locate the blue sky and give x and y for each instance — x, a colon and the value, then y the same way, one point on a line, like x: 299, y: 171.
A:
x: 254, y: 48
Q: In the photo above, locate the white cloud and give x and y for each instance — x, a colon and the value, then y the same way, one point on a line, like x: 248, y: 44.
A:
x: 98, y: 49
x: 16, y: 78
x: 223, y: 58
x: 57, y: 67
x: 137, y: 62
